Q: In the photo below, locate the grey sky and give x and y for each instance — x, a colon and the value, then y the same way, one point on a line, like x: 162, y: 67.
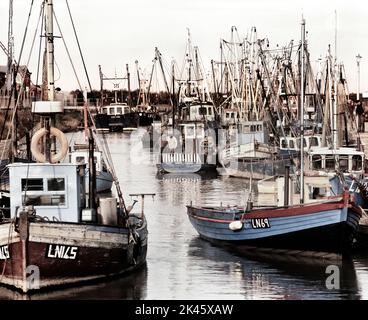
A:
x: 115, y: 32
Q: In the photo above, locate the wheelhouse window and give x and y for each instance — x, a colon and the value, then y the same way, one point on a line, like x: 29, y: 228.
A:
x: 80, y: 160
x: 357, y: 163
x: 313, y: 141
x: 283, y: 144
x: 304, y: 143
x: 330, y: 162
x: 246, y: 129
x: 56, y: 184
x: 32, y: 184
x: 49, y: 192
x: 344, y: 163
x: 291, y: 144
x: 112, y: 110
x: 316, y: 162
x: 104, y: 110
x: 119, y: 110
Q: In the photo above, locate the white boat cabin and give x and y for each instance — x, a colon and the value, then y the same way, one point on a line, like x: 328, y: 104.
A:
x: 55, y: 190
x: 271, y: 191
x: 229, y: 116
x: 199, y: 112
x: 252, y: 131
x: 347, y: 160
x: 115, y: 109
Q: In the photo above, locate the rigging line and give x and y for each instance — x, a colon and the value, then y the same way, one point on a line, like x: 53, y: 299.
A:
x: 37, y: 78
x: 23, y: 79
x: 17, y: 68
x: 68, y: 52
x: 109, y: 161
x: 80, y: 50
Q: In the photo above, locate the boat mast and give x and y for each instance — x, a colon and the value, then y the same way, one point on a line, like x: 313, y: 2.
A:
x: 50, y: 50
x: 173, y: 95
x: 129, y: 93
x: 335, y: 134
x: 10, y: 47
x: 302, y: 114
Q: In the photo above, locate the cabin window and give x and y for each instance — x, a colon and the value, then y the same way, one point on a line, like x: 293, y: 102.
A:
x: 357, y: 163
x: 32, y: 184
x: 56, y: 184
x: 202, y: 111
x: 119, y: 110
x: 210, y: 111
x: 316, y: 162
x: 344, y: 163
x: 45, y: 200
x: 112, y: 110
x: 283, y: 144
x: 259, y: 128
x: 304, y: 142
x: 313, y: 141
x: 36, y: 194
x: 126, y: 110
x: 80, y: 160
x: 330, y: 163
x: 253, y: 128
x: 246, y: 129
x: 227, y: 115
x: 291, y: 144
x: 104, y: 110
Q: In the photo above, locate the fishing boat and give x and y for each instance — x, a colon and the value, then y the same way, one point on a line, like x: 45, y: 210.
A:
x: 58, y: 234
x: 321, y: 221
x: 104, y: 178
x: 325, y: 223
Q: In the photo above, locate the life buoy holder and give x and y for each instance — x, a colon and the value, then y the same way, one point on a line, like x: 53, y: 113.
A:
x: 60, y: 136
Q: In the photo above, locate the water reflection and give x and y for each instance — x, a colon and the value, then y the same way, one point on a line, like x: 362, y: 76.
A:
x: 276, y: 276
x: 129, y: 287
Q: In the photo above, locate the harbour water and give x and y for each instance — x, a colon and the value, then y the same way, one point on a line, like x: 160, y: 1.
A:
x: 182, y: 266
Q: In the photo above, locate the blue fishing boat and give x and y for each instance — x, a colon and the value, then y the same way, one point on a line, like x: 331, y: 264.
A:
x: 328, y: 225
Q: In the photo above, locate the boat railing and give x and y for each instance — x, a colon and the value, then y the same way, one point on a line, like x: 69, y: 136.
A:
x: 181, y: 158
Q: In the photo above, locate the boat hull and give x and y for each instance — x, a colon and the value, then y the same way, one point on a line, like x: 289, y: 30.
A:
x: 320, y: 227
x: 185, y: 167
x: 104, y: 181
x: 60, y: 254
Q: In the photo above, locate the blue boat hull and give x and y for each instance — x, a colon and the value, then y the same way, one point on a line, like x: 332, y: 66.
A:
x: 329, y: 230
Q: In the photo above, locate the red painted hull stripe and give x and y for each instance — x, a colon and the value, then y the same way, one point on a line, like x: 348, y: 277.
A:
x: 289, y: 212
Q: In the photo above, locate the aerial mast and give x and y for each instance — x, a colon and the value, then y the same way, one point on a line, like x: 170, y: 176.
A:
x: 50, y: 50
x: 302, y: 114
x: 10, y: 46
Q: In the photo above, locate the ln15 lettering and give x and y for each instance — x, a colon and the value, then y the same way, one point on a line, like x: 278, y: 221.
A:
x: 58, y: 251
x: 4, y: 253
x: 260, y: 223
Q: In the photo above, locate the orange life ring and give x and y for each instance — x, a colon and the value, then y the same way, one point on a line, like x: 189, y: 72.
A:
x: 60, y: 136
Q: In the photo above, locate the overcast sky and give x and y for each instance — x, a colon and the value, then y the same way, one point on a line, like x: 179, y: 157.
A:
x: 115, y: 32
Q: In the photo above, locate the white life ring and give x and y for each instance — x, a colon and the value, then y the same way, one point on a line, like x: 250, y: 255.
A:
x: 60, y: 136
